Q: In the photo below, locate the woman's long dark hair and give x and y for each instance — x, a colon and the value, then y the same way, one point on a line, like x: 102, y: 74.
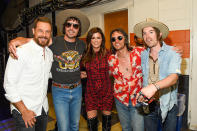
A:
x: 90, y: 54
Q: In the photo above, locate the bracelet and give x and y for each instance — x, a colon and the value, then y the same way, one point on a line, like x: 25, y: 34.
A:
x: 156, y: 86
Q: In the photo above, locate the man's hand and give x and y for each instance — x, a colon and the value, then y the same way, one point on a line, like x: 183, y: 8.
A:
x: 178, y: 49
x: 27, y: 115
x: 149, y: 91
x: 140, y: 97
x: 15, y: 43
x: 29, y: 118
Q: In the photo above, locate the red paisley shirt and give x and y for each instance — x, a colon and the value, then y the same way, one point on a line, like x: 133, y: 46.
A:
x: 127, y: 88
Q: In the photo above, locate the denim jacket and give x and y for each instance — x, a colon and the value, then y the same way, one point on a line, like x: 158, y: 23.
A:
x: 169, y: 63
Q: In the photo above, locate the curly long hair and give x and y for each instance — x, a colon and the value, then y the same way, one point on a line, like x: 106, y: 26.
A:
x: 126, y: 42
x: 89, y: 53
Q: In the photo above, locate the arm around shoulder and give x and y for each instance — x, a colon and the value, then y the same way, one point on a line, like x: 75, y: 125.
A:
x: 15, y: 43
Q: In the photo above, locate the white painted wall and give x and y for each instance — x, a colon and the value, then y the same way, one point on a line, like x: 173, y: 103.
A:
x: 193, y: 72
x: 143, y: 9
x: 174, y: 13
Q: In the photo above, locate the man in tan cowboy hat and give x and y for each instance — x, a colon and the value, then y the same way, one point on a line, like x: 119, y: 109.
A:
x: 67, y: 51
x: 160, y: 66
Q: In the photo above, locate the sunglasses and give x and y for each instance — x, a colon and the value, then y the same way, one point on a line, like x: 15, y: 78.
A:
x: 114, y: 38
x: 76, y: 26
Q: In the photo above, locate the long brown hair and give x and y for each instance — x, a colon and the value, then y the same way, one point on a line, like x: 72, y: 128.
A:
x: 90, y: 54
x: 126, y: 42
x: 159, y: 38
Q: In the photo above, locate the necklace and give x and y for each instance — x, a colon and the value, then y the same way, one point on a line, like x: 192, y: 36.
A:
x: 124, y: 60
x: 65, y: 43
x: 153, y: 70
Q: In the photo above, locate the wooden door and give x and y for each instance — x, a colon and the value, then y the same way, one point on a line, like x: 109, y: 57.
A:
x: 118, y: 19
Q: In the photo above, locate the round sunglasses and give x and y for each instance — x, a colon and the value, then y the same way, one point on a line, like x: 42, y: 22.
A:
x: 113, y: 39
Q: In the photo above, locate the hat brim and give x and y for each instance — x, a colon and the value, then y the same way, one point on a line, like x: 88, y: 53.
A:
x: 63, y: 15
x: 140, y: 26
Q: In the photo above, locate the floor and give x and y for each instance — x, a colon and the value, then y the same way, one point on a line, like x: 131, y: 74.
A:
x: 82, y: 124
x: 8, y: 123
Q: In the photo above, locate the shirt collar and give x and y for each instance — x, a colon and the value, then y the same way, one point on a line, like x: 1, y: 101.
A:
x: 37, y: 47
x: 164, y: 46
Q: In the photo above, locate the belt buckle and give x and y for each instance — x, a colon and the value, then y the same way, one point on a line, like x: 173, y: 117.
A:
x: 71, y: 87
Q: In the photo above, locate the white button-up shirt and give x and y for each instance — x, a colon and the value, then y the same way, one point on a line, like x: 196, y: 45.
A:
x: 26, y: 79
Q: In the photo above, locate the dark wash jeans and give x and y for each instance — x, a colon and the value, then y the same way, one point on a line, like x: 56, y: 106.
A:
x: 153, y: 119
x: 40, y: 125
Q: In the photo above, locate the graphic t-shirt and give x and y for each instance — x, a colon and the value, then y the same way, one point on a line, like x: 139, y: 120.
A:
x: 67, y: 57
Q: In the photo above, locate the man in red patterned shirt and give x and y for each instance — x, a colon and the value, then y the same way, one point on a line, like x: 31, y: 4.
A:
x: 125, y: 67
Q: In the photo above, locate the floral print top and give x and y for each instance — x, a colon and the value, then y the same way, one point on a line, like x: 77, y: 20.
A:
x: 124, y: 88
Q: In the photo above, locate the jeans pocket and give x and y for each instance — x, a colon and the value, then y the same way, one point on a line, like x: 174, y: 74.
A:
x: 18, y: 118
x: 16, y: 114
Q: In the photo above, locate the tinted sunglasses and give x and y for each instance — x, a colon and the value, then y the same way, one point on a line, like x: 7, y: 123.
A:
x: 76, y: 26
x: 114, y: 38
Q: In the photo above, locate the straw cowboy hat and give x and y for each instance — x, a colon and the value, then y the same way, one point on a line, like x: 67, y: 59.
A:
x: 151, y: 23
x: 63, y: 15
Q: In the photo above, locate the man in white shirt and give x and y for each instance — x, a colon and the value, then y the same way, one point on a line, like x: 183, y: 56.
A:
x: 26, y: 79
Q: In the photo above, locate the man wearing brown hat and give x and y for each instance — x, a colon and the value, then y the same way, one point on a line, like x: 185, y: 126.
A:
x: 160, y: 66
x: 67, y: 52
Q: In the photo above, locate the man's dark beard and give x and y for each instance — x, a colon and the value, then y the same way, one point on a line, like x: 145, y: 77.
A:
x: 40, y: 44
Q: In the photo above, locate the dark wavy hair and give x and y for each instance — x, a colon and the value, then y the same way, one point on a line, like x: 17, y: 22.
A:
x: 159, y: 38
x: 126, y: 41
x: 90, y: 54
x: 74, y: 19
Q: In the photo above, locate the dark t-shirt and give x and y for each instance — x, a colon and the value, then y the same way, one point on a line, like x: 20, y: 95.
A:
x: 67, y: 56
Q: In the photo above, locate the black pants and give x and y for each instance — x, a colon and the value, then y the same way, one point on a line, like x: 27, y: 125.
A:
x: 40, y: 125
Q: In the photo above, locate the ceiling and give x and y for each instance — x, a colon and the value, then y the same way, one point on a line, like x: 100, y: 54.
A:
x: 12, y: 12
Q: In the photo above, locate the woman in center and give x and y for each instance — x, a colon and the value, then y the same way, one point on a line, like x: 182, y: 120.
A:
x: 99, y: 91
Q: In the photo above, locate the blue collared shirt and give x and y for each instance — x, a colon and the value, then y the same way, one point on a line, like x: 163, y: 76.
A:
x: 169, y: 63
